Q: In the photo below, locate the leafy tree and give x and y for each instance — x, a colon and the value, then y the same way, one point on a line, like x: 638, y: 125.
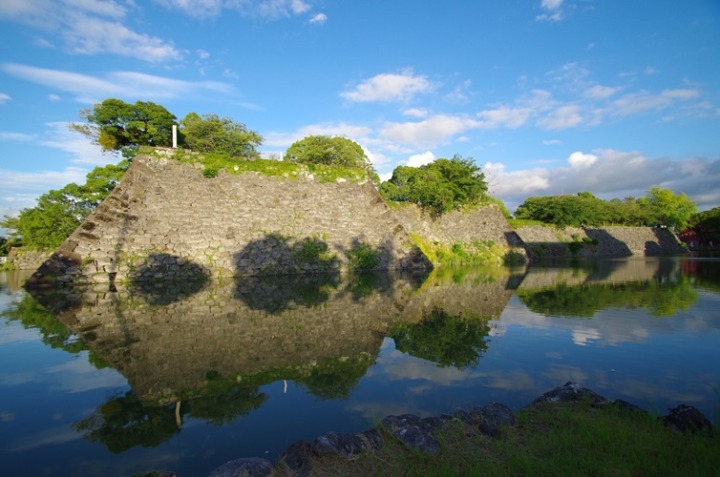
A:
x: 707, y: 226
x: 670, y: 209
x: 330, y: 151
x: 119, y: 126
x: 211, y: 133
x: 440, y: 186
x: 59, y: 212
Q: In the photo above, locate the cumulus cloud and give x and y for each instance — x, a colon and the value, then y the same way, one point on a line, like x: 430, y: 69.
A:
x: 387, y: 87
x: 285, y: 139
x: 416, y: 112
x: 580, y: 160
x: 123, y: 84
x: 609, y: 174
x: 430, y: 132
x: 89, y: 27
x: 420, y: 159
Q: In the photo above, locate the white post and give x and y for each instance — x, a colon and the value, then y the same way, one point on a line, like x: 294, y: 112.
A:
x: 174, y: 136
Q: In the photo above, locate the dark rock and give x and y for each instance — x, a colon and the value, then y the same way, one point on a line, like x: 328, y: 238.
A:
x: 344, y: 445
x: 298, y: 459
x: 372, y: 439
x: 491, y: 417
x: 250, y: 467
x: 155, y: 473
x: 684, y: 418
x: 413, y: 432
x: 570, y: 392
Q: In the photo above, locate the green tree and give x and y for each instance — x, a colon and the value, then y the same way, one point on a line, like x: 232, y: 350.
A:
x: 671, y: 209
x: 211, y: 133
x: 707, y: 226
x: 59, y: 212
x: 440, y: 186
x: 330, y: 151
x: 119, y: 126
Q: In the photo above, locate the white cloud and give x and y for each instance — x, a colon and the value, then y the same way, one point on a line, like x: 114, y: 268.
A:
x: 551, y: 142
x: 609, y: 174
x: 430, y: 132
x: 562, y: 118
x: 10, y: 136
x: 83, y: 151
x: 600, y: 92
x: 195, y: 8
x: 420, y: 159
x: 90, y: 89
x: 518, y: 114
x: 388, y: 87
x: 280, y: 139
x: 53, y: 97
x: 416, y: 112
x: 4, y: 98
x: 579, y: 160
x: 318, y: 19
x: 634, y: 103
x: 553, y: 11
x: 89, y: 27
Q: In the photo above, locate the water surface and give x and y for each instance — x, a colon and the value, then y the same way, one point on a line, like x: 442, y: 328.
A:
x: 188, y: 377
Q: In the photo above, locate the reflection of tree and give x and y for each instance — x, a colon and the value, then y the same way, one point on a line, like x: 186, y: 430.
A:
x: 335, y: 378
x: 224, y: 400
x: 123, y: 422
x: 275, y: 294
x: 446, y: 340
x: 661, y: 298
x: 32, y: 315
x: 164, y: 279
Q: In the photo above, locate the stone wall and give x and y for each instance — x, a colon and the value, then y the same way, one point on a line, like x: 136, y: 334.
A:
x: 165, y: 219
x: 550, y: 242
x: 21, y: 259
x: 484, y: 224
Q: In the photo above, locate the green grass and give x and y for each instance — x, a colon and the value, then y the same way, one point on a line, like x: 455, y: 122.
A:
x: 459, y: 253
x: 517, y: 223
x: 213, y: 163
x: 548, y: 440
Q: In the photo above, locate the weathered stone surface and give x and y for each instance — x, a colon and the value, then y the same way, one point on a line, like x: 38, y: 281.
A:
x: 622, y: 404
x: 413, y: 432
x: 298, y: 459
x: 592, y: 242
x: 245, y: 224
x: 490, y: 417
x: 343, y: 445
x: 248, y: 467
x: 570, y: 392
x: 685, y: 418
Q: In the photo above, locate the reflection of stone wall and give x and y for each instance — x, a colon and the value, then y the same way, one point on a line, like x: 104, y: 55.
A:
x: 167, y: 351
x: 481, y: 291
x: 604, y: 272
x: 551, y: 242
x: 230, y: 224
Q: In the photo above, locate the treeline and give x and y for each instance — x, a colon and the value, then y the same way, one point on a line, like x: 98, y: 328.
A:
x: 122, y: 127
x: 659, y: 207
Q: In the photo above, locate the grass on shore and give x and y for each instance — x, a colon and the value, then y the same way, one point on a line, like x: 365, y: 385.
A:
x: 548, y: 440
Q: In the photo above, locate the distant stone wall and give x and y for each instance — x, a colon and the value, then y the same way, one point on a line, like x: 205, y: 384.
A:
x: 21, y: 259
x: 166, y: 220
x: 481, y: 224
x: 550, y: 242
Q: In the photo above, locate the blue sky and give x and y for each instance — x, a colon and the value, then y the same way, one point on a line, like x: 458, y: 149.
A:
x: 548, y: 96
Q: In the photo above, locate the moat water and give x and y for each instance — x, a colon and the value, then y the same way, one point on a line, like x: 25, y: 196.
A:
x: 186, y: 378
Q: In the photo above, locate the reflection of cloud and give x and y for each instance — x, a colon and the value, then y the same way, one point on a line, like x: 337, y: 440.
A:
x: 562, y: 374
x: 581, y: 336
x: 400, y: 366
x: 56, y: 435
x: 15, y: 333
x: 7, y: 416
x: 79, y: 375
